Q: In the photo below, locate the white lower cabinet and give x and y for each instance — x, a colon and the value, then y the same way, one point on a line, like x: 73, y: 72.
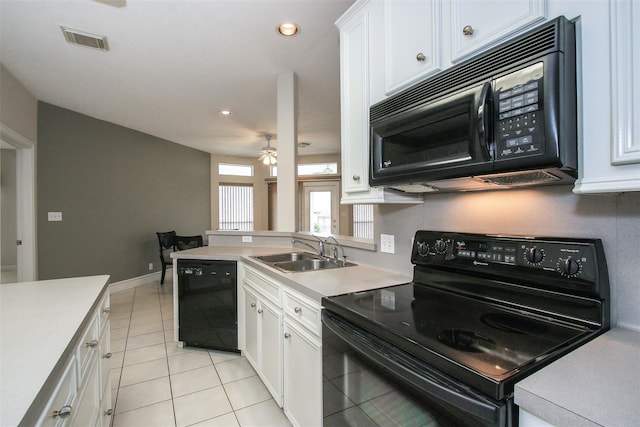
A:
x: 82, y: 396
x: 263, y: 333
x: 302, y: 375
x: 283, y: 342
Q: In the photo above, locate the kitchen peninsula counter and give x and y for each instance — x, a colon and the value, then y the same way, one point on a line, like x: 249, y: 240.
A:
x: 595, y: 385
x: 39, y: 323
x: 314, y: 284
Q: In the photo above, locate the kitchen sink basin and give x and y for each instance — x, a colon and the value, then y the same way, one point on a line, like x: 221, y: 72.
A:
x: 289, y: 256
x: 292, y: 262
x: 311, y: 265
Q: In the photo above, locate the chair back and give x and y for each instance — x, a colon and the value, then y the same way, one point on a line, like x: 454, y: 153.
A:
x: 188, y: 242
x: 167, y: 240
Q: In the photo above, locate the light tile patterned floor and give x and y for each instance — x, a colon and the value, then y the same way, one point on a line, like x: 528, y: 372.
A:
x: 155, y: 383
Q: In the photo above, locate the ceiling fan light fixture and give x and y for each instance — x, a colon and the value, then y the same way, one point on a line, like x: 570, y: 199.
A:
x: 268, y: 153
x: 288, y: 29
x: 270, y: 159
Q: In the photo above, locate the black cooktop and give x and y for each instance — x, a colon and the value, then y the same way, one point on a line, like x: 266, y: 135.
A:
x: 488, y: 310
x: 491, y: 340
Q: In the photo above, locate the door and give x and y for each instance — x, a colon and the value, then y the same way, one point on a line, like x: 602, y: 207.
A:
x: 302, y: 376
x: 251, y: 327
x: 321, y: 207
x: 25, y: 242
x: 271, y: 348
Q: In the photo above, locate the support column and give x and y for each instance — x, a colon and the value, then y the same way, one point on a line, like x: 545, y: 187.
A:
x: 287, y: 211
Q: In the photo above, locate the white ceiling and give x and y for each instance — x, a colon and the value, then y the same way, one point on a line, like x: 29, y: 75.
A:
x: 173, y: 64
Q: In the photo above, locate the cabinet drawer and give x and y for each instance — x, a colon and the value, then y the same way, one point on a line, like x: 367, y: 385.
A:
x: 304, y: 310
x: 269, y: 289
x: 63, y: 395
x: 87, y: 348
x: 104, y: 310
x: 104, y: 351
x: 88, y: 403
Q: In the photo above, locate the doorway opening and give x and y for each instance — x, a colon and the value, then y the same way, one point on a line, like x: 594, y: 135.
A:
x: 23, y: 243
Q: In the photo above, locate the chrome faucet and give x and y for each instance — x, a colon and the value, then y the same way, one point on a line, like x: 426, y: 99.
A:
x: 319, y: 249
x: 335, y: 249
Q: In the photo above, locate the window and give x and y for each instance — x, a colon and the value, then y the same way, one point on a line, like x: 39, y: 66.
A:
x: 235, y: 207
x: 363, y: 221
x: 307, y: 169
x: 235, y: 170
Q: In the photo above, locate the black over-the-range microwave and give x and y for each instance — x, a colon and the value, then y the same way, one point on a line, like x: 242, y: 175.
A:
x: 506, y: 118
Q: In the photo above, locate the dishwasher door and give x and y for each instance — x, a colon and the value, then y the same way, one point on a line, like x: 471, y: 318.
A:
x: 208, y: 304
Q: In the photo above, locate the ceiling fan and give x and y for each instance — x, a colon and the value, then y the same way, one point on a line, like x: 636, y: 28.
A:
x: 268, y: 155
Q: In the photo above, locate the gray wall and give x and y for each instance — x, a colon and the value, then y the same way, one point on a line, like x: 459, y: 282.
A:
x: 115, y: 188
x: 550, y: 211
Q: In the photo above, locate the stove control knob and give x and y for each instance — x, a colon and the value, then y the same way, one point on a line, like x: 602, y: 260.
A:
x: 569, y: 267
x: 534, y: 255
x: 423, y: 249
x: 440, y: 246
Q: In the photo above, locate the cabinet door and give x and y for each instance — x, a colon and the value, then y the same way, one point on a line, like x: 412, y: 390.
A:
x: 354, y: 78
x: 302, y: 376
x: 270, y: 320
x: 476, y: 25
x: 251, y: 327
x: 412, y: 41
x: 88, y: 405
x: 360, y: 63
x: 625, y: 85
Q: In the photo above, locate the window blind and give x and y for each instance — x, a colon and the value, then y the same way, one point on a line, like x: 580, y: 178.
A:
x: 235, y: 207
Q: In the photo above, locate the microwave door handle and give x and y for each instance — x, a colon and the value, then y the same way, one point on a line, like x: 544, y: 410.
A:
x: 484, y: 118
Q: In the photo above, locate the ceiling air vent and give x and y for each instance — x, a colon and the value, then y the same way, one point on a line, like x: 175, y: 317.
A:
x: 81, y: 38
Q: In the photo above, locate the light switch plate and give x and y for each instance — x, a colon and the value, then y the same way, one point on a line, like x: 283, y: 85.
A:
x: 54, y: 216
x: 247, y: 239
x: 387, y: 244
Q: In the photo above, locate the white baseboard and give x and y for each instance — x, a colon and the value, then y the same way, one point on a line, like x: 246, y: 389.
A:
x: 138, y: 281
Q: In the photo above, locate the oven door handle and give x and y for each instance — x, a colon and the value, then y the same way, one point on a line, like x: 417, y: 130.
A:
x: 484, y: 121
x: 411, y: 370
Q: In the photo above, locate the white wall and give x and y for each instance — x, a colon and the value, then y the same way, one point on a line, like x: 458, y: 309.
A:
x: 546, y: 211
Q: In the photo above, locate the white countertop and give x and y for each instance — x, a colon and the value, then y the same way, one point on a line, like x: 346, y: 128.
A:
x: 598, y: 384
x: 314, y: 284
x: 38, y: 321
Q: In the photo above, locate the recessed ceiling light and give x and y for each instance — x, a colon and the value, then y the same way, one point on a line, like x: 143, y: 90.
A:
x: 288, y: 29
x: 226, y: 113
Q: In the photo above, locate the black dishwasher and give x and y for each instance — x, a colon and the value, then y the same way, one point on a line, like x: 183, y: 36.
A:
x: 207, y: 304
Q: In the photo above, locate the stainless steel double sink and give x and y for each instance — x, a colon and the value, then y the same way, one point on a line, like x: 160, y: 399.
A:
x: 293, y: 262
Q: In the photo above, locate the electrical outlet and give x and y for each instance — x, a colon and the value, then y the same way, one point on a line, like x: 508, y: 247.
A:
x: 387, y: 244
x: 247, y: 239
x: 54, y: 216
x: 150, y: 266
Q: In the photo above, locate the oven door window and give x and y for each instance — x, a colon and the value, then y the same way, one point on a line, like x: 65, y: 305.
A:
x: 435, y: 139
x: 368, y: 383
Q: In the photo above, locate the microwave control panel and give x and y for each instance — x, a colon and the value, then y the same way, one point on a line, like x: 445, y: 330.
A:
x: 519, y: 105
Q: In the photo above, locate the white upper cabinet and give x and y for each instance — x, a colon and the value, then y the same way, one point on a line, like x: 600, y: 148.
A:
x: 412, y: 31
x: 609, y: 94
x: 361, y: 62
x: 477, y: 25
x: 625, y: 83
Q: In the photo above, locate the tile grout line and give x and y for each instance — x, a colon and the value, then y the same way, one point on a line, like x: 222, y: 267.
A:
x: 166, y: 354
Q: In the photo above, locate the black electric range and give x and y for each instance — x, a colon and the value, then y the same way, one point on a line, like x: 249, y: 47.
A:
x: 481, y: 313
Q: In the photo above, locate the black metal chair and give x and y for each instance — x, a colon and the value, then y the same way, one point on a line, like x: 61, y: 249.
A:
x: 167, y: 241
x: 188, y: 242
